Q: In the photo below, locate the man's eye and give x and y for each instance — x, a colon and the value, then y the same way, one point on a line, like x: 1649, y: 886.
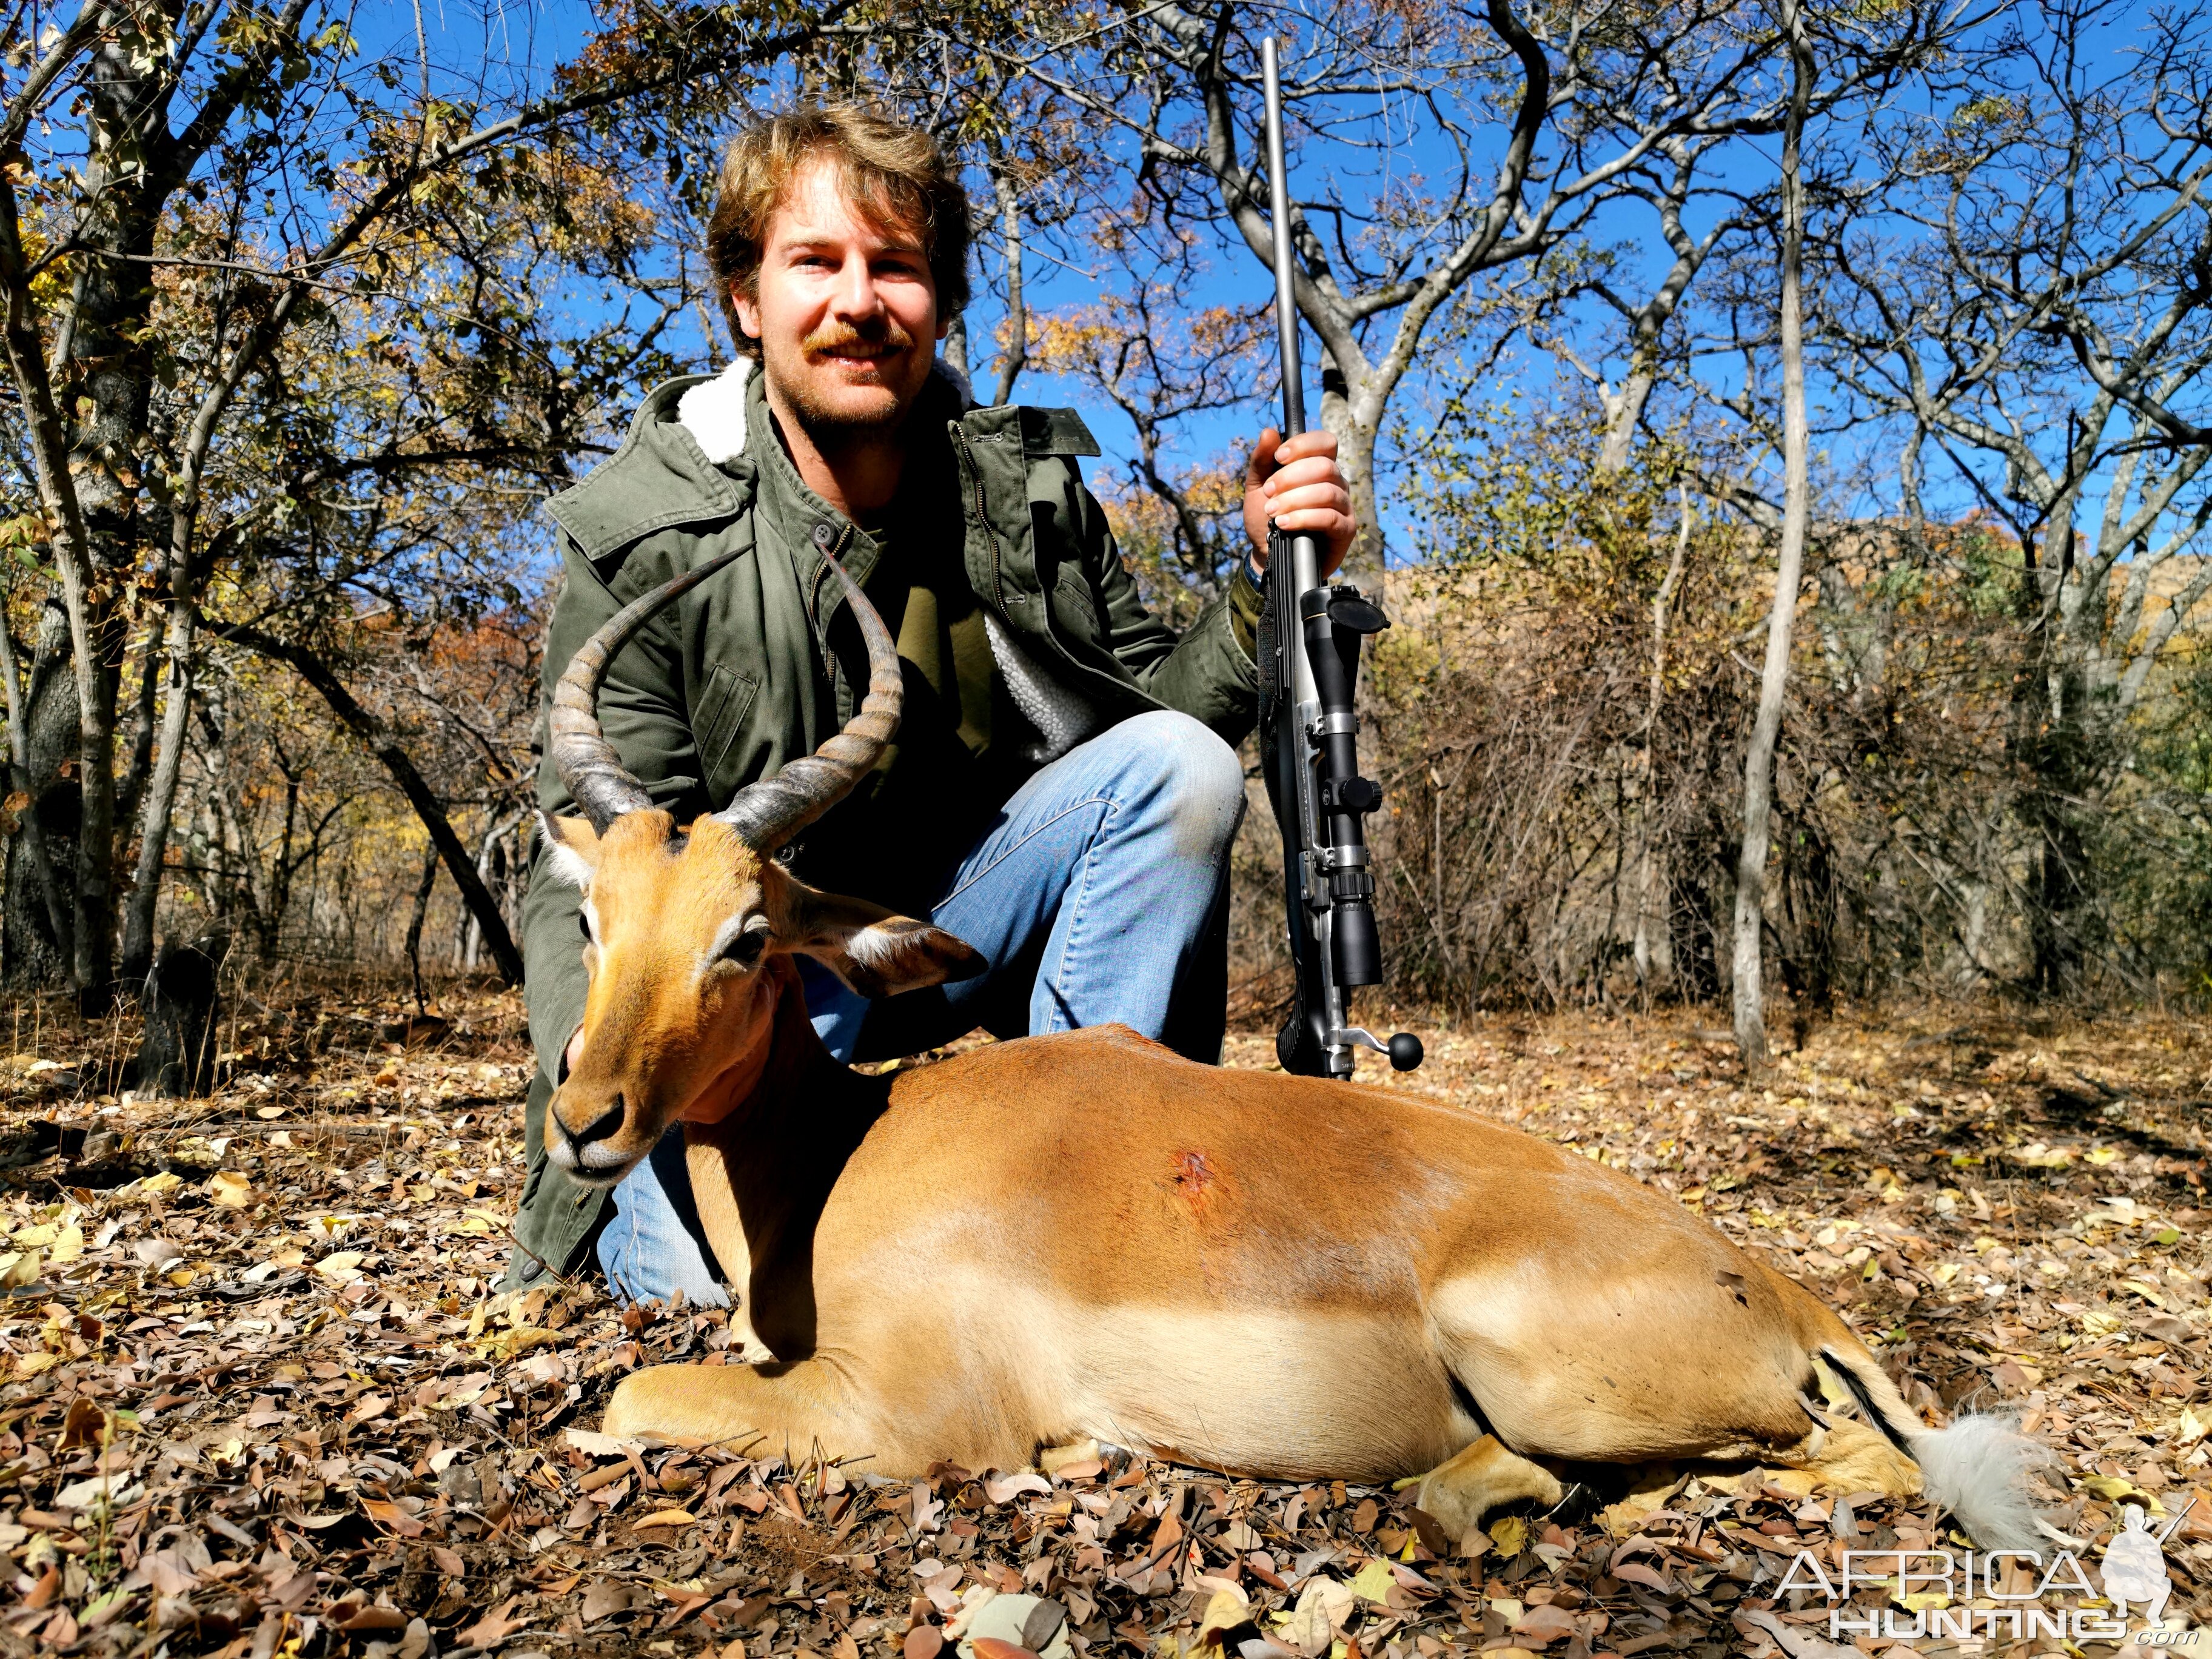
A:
x: 745, y: 949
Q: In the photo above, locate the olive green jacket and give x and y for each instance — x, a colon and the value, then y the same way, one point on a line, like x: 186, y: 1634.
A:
x: 760, y: 664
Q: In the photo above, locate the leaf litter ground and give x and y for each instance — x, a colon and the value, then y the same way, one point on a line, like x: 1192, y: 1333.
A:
x: 260, y: 1397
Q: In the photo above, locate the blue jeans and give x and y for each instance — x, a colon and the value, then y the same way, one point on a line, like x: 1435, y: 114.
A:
x: 1098, y: 894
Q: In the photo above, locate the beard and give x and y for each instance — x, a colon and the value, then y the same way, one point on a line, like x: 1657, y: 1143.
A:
x: 836, y: 417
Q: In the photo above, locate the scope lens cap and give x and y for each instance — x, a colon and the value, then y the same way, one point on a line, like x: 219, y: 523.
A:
x: 1349, y: 609
x: 1405, y: 1052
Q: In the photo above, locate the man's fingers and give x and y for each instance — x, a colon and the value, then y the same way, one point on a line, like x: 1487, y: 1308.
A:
x: 1330, y: 497
x: 1317, y: 442
x: 1303, y: 474
x: 1264, y: 455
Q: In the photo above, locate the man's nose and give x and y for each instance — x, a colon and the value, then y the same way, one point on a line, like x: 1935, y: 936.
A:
x: 855, y: 296
x: 597, y: 1129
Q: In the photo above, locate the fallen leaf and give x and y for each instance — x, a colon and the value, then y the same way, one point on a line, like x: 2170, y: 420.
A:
x: 506, y: 1345
x: 493, y: 1627
x: 1227, y: 1609
x: 1375, y: 1582
x: 389, y: 1515
x: 1543, y: 1625
x: 342, y: 1266
x: 367, y: 1620
x: 86, y: 1424
x: 1635, y: 1572
x: 1510, y: 1535
x: 607, y: 1597
x: 229, y: 1189
x: 666, y: 1518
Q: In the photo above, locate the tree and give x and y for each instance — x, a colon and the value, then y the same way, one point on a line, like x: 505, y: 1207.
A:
x: 257, y: 159
x: 1395, y: 93
x: 1749, y: 990
x: 2035, y: 309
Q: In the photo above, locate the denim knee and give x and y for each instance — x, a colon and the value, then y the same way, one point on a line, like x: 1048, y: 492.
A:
x: 1196, y: 777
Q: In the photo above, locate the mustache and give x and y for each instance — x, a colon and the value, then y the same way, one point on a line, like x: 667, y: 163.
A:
x: 838, y: 339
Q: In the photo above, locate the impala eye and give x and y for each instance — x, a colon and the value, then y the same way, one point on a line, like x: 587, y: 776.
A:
x: 745, y: 949
x: 584, y: 926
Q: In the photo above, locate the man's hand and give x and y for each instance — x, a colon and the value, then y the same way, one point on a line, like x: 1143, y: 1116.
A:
x: 1297, y: 486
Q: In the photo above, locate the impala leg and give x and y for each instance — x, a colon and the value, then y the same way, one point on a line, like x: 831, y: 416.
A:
x: 1847, y: 1457
x: 1479, y: 1478
x: 796, y: 1410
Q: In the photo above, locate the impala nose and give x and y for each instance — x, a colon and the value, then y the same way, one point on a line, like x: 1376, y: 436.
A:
x: 576, y: 1142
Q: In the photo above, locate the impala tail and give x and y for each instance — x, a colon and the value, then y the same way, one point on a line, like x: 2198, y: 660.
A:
x: 1977, y: 1468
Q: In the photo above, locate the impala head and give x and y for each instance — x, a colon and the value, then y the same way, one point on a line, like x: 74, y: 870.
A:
x: 688, y: 932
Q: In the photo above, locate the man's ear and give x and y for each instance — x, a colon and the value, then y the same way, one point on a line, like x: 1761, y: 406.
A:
x: 572, y: 849
x: 876, y: 953
x: 748, y: 311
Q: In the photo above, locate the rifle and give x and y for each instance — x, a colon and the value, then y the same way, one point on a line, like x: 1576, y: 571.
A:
x: 1308, y: 735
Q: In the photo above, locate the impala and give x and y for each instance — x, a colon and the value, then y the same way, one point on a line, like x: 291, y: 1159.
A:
x: 1083, y: 1236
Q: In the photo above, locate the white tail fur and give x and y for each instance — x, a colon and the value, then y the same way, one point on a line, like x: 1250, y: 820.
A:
x: 1978, y: 1468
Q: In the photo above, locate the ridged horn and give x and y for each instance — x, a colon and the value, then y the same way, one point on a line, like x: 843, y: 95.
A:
x: 769, y: 813
x: 589, y: 768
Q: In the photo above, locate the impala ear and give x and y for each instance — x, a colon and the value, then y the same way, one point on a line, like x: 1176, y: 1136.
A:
x: 876, y: 953
x: 572, y: 849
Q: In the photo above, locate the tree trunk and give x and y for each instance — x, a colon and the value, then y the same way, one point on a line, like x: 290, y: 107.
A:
x: 1647, y: 853
x: 160, y: 800
x: 366, y: 727
x: 415, y: 923
x: 33, y: 880
x: 1355, y: 458
x: 1016, y: 351
x: 138, y: 768
x: 1625, y: 409
x: 40, y: 911
x: 1750, y: 987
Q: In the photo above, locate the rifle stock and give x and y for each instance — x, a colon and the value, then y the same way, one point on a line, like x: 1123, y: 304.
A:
x: 1310, y: 644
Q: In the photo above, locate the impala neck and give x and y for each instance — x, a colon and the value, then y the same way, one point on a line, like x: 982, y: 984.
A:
x: 763, y: 1169
x: 782, y: 1052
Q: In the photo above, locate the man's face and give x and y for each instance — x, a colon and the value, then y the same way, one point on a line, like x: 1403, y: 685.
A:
x: 847, y: 312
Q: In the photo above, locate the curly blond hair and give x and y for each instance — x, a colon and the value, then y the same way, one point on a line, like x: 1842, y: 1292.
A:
x: 892, y: 171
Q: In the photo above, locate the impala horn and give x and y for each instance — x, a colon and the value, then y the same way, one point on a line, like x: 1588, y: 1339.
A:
x: 766, y: 813
x: 770, y: 812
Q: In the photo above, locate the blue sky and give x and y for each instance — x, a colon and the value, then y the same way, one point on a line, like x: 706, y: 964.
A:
x: 513, y: 42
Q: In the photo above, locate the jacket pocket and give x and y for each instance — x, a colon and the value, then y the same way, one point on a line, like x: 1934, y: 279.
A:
x: 720, y: 715
x: 1075, y: 604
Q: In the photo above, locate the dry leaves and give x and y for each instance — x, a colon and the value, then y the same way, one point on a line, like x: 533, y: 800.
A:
x: 259, y: 1396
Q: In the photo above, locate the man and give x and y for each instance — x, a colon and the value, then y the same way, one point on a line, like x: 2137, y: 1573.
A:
x: 1062, y: 793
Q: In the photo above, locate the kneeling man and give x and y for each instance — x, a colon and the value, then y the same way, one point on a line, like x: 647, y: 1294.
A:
x: 1062, y: 793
